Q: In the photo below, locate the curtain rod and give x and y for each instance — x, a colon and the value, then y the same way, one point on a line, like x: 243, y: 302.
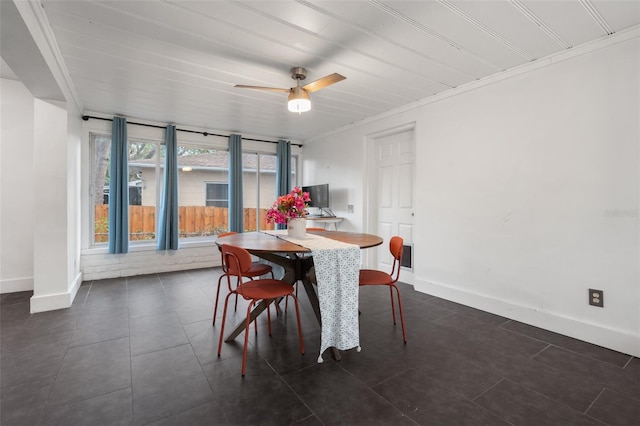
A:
x: 87, y: 117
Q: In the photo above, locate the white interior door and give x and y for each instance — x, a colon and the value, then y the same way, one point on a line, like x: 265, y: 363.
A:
x: 394, y: 172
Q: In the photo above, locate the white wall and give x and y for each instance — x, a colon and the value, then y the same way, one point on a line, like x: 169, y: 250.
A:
x: 40, y: 233
x: 16, y: 188
x: 56, y: 142
x: 50, y: 214
x: 339, y: 161
x: 528, y: 192
x: 74, y: 229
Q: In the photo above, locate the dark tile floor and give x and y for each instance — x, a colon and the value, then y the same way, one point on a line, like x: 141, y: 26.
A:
x: 142, y: 350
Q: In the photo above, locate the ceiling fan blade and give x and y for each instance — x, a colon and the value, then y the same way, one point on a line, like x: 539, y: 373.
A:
x: 323, y: 82
x: 273, y: 89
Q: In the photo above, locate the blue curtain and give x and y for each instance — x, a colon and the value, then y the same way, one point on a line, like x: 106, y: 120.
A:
x: 168, y: 223
x: 119, y: 188
x: 236, y: 208
x: 283, y: 171
x: 283, y: 168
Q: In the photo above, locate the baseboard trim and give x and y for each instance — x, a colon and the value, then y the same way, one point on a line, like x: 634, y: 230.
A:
x: 617, y: 340
x: 16, y: 284
x: 50, y: 302
x: 77, y: 282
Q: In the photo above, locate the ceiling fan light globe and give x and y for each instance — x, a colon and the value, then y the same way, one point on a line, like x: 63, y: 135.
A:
x: 299, y: 101
x: 299, y: 105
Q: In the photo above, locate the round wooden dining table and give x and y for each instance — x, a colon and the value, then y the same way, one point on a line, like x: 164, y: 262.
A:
x: 261, y: 242
x: 295, y: 259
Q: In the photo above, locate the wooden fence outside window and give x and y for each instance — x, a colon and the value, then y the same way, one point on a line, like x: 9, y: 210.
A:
x: 194, y: 221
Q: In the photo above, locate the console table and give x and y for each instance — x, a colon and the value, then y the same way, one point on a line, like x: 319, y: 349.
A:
x: 327, y: 220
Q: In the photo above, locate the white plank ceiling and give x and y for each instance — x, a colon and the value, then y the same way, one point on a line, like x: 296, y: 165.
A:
x: 178, y: 61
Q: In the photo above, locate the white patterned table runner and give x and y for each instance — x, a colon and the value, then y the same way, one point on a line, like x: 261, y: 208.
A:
x: 337, y: 266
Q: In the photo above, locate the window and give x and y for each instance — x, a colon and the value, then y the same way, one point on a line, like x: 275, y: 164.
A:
x: 135, y: 195
x: 144, y: 178
x: 217, y: 194
x: 259, y: 180
x: 145, y: 175
x: 202, y: 191
x: 101, y: 145
x: 202, y: 187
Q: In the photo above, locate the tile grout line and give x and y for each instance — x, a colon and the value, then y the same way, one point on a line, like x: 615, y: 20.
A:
x: 379, y: 383
x: 590, y: 357
x: 554, y: 400
x: 540, y: 351
x: 382, y: 397
x: 55, y: 378
x: 595, y: 399
x: 502, y: 379
x: 313, y: 413
x: 568, y: 349
x: 473, y: 401
x: 562, y: 403
x: 435, y: 321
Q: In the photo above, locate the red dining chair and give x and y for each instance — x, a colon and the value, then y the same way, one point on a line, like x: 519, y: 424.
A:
x: 238, y: 262
x: 257, y: 270
x: 375, y: 277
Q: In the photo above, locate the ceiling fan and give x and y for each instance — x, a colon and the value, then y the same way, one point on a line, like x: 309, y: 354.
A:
x: 299, y: 100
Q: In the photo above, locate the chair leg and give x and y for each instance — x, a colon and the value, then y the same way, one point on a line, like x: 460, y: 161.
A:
x: 215, y: 309
x: 246, y: 337
x: 295, y: 301
x: 268, y: 315
x: 404, y: 333
x: 224, y: 319
x: 277, y: 304
x: 286, y: 302
x: 393, y: 309
x: 286, y: 299
x: 255, y: 325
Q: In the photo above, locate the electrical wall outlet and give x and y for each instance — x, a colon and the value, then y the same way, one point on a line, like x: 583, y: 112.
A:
x: 596, y: 298
x: 349, y: 208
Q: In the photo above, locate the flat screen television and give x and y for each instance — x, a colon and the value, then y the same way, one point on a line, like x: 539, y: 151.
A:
x: 319, y: 195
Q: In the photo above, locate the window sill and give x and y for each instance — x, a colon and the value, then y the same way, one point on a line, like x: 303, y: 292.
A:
x: 153, y: 246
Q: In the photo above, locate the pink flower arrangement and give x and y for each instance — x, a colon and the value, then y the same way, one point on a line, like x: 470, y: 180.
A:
x: 290, y: 206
